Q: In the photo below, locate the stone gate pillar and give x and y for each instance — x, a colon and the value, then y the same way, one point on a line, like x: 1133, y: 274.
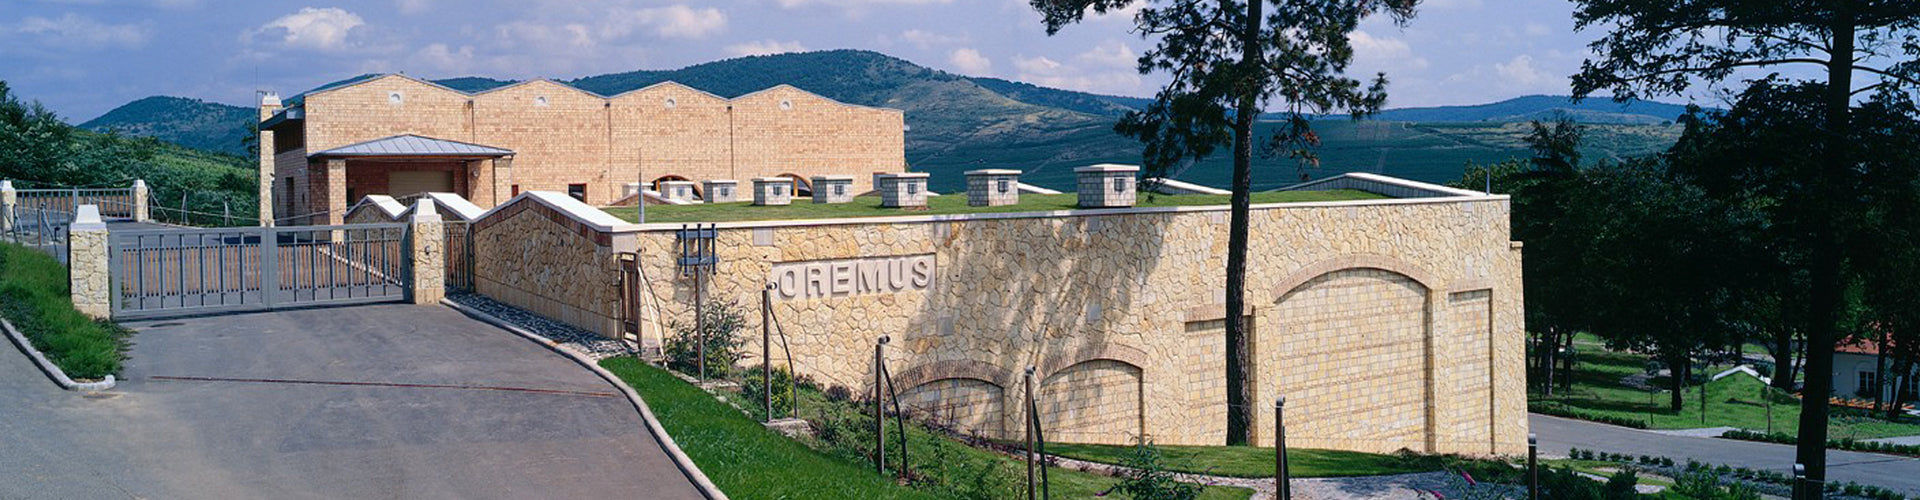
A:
x: 427, y: 253
x: 8, y: 198
x: 140, y: 202
x: 87, y: 263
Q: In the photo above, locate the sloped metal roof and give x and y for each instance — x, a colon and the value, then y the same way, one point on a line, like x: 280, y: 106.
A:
x: 413, y: 145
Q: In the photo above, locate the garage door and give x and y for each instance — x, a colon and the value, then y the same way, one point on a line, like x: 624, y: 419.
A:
x: 405, y: 182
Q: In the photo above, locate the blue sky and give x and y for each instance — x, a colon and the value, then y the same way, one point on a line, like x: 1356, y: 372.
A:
x: 84, y: 57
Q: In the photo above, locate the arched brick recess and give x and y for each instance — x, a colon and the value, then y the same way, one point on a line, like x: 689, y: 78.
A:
x: 1123, y: 354
x: 1093, y: 401
x: 1416, y: 273
x: 953, y: 368
x: 965, y: 404
x: 1348, y: 343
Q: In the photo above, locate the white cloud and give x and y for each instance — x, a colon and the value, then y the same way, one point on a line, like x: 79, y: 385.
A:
x: 84, y: 32
x: 314, y: 29
x: 413, y: 6
x: 1114, y: 54
x: 1537, y: 29
x: 543, y: 36
x: 1041, y: 65
x: 765, y: 47
x: 1374, y: 53
x: 674, y: 21
x: 440, y: 57
x: 1520, y: 70
x: 927, y: 39
x: 856, y: 3
x: 970, y: 61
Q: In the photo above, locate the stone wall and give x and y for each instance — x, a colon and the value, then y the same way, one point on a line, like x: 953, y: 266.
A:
x: 1386, y: 323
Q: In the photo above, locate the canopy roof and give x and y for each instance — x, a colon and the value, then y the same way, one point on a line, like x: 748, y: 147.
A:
x: 414, y: 145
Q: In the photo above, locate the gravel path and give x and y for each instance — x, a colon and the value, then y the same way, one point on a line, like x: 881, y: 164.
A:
x: 590, y: 344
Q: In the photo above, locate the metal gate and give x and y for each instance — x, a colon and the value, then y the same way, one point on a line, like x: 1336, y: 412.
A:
x: 459, y: 256
x: 171, y: 272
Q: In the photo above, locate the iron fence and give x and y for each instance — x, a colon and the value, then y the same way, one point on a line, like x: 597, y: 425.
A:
x: 459, y: 256
x: 38, y: 227
x: 195, y: 271
x: 114, y: 203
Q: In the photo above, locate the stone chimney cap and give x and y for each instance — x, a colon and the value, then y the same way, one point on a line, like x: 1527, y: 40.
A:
x: 88, y: 218
x: 833, y: 178
x: 905, y: 175
x: 721, y: 181
x: 678, y: 183
x: 6, y: 185
x: 993, y: 171
x: 1107, y: 167
x: 788, y: 180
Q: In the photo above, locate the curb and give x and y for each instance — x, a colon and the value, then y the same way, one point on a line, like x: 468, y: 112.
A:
x: 52, y: 371
x: 680, y: 459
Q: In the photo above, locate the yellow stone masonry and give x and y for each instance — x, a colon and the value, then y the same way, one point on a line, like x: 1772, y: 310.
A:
x: 1387, y: 324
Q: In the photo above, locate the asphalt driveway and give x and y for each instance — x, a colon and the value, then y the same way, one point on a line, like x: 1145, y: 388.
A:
x: 1557, y: 435
x: 384, y: 401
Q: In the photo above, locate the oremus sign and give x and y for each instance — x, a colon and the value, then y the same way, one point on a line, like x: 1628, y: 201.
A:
x: 821, y: 279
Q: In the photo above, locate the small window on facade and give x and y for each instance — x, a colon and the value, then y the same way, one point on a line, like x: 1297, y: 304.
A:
x: 785, y: 104
x: 1119, y: 185
x: 516, y: 191
x: 1004, y: 185
x: 540, y: 101
x: 671, y: 103
x: 839, y: 189
x: 913, y: 188
x: 1869, y: 384
x: 720, y: 191
x: 577, y: 191
x: 395, y: 98
x: 779, y: 190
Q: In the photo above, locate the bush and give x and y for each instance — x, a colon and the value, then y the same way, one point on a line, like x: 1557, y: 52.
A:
x: 1620, y: 486
x: 959, y: 475
x: 753, y: 390
x: 723, y: 325
x: 1147, y: 477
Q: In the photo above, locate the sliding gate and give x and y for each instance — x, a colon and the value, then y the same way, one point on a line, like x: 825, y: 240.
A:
x: 172, y: 272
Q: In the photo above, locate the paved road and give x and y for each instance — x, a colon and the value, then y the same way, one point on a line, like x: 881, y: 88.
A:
x: 249, y: 406
x: 1557, y: 435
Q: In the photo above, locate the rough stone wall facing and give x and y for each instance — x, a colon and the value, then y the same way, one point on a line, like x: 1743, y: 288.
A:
x: 1366, y: 315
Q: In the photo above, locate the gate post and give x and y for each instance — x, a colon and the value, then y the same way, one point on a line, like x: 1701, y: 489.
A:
x: 8, y: 199
x: 140, y: 211
x: 427, y: 253
x: 87, y: 263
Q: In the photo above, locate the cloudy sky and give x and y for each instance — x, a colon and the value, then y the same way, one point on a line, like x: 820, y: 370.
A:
x: 84, y: 57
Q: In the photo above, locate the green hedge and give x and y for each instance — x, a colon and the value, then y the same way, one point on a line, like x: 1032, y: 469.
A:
x: 34, y: 297
x: 1561, y: 410
x: 1836, y: 444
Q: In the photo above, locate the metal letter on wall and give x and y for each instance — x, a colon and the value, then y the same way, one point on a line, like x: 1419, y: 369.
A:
x: 821, y: 279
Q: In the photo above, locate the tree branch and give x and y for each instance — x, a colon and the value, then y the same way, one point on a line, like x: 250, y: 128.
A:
x: 1905, y: 79
x: 1731, y: 65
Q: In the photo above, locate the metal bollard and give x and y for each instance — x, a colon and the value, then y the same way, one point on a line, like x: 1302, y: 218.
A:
x: 1533, y: 467
x: 1282, y: 477
x: 879, y: 419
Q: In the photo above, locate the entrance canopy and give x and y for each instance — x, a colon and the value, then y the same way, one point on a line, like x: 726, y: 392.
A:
x: 413, y: 146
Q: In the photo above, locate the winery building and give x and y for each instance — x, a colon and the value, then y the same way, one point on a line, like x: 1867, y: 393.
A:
x: 398, y: 135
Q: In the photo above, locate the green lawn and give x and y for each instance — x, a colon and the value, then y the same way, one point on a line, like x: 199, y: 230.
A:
x: 747, y: 461
x: 869, y: 206
x: 1248, y: 461
x: 1734, y: 401
x: 34, y: 297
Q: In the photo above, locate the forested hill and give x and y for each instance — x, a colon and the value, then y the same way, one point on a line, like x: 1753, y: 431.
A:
x: 959, y: 123
x: 187, y: 122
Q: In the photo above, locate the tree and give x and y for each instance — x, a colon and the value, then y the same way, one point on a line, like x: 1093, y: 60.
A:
x: 1228, y: 60
x: 1662, y: 47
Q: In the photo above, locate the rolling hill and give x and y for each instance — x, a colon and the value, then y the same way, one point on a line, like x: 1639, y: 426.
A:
x: 187, y: 122
x: 959, y: 123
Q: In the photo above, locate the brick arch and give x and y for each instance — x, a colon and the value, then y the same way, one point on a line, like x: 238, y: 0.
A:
x: 1113, y: 352
x: 954, y: 368
x: 1300, y: 277
x: 800, y: 183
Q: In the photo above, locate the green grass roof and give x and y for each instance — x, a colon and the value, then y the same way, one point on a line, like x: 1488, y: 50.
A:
x: 869, y: 206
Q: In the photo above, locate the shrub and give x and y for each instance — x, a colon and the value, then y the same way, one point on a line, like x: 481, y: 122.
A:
x: 723, y: 325
x: 753, y: 390
x: 1147, y: 477
x: 959, y: 475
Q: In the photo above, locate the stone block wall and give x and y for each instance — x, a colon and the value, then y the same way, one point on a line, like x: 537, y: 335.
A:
x: 1373, y: 317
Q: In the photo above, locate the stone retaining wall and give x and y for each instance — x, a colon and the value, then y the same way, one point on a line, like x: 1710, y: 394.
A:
x: 1387, y: 324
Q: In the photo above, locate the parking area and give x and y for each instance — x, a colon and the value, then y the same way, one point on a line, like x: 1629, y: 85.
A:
x: 380, y: 401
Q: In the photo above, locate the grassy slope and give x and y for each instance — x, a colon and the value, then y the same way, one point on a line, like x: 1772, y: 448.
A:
x: 34, y: 297
x: 869, y: 206
x: 1248, y: 461
x: 747, y: 461
x: 1734, y: 401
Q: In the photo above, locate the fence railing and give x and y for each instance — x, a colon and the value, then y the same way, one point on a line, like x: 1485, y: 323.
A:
x: 114, y: 203
x: 39, y: 227
x: 459, y: 256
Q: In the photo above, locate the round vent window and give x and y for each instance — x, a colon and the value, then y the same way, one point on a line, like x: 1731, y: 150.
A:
x: 785, y: 104
x: 671, y: 103
x: 540, y: 101
x: 395, y: 98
